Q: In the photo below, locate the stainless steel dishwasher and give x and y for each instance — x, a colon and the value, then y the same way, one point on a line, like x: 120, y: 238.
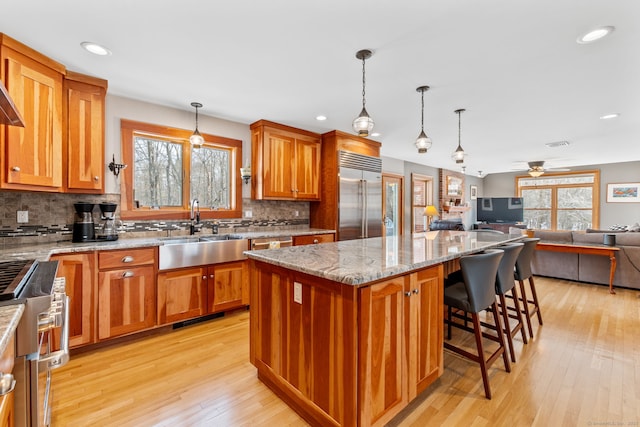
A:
x: 271, y: 243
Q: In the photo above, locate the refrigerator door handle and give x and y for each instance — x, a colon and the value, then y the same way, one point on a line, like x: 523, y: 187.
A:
x: 365, y: 207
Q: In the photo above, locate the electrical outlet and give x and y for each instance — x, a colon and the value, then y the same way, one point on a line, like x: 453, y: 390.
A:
x: 248, y: 214
x: 296, y: 213
x: 297, y: 292
x: 23, y: 217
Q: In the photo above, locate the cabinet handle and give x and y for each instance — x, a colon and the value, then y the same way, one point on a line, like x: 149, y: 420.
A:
x: 15, y: 169
x: 96, y: 178
x: 127, y: 259
x: 204, y: 277
x: 315, y: 240
x: 407, y: 294
x: 416, y: 291
x: 127, y: 274
x: 211, y: 276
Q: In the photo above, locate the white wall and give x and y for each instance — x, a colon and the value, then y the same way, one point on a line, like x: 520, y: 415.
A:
x: 124, y: 108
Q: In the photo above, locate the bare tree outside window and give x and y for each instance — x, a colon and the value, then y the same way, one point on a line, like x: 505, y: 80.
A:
x: 560, y: 201
x: 158, y: 172
x: 210, y: 177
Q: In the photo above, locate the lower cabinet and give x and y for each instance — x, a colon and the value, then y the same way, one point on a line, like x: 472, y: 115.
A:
x: 126, y: 301
x: 79, y: 270
x: 7, y: 405
x: 192, y: 292
x: 182, y: 294
x: 313, y: 238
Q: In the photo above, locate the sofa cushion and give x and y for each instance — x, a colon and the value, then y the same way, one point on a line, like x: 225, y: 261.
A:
x: 622, y: 239
x: 554, y: 236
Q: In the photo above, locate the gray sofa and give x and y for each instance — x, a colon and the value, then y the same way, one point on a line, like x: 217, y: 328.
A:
x: 590, y: 268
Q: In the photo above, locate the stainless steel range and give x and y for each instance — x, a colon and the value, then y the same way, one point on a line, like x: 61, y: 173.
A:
x: 35, y: 285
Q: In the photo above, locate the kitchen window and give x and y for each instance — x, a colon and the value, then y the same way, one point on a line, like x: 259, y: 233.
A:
x: 165, y: 173
x: 567, y: 201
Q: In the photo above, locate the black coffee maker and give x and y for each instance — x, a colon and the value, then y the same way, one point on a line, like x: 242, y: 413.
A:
x: 83, y: 227
x: 109, y: 230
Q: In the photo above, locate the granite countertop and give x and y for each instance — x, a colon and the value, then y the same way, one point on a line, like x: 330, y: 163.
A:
x: 9, y: 317
x: 43, y: 251
x: 358, y: 262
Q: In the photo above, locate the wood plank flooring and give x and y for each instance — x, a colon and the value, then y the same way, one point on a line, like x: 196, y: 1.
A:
x: 581, y: 369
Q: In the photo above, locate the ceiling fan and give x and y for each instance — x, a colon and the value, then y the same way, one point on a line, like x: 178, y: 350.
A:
x: 536, y: 168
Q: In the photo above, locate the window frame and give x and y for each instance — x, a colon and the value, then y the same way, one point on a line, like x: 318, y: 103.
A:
x: 595, y: 208
x: 129, y: 128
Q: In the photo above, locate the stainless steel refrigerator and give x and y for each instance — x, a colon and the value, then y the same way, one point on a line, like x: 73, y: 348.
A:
x: 360, y: 196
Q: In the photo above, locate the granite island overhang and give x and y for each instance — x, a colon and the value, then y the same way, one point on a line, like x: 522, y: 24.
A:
x: 348, y: 333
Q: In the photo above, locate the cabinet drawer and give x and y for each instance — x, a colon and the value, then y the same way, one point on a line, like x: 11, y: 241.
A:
x: 315, y: 238
x: 126, y: 258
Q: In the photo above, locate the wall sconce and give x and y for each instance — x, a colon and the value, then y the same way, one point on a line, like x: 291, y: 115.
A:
x: 116, y: 167
x: 245, y: 173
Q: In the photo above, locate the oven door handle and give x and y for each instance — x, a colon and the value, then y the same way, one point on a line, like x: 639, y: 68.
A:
x: 61, y: 357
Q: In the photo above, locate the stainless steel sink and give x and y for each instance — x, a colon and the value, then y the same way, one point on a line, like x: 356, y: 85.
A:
x: 178, y: 252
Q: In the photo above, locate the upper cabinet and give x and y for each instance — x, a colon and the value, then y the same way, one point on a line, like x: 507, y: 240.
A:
x: 61, y: 146
x: 84, y: 119
x: 285, y: 162
x: 32, y: 155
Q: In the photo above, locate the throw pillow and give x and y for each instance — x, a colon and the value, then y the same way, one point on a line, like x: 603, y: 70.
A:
x: 635, y: 227
x: 617, y: 227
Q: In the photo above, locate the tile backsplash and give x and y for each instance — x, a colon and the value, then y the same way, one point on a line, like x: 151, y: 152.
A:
x: 51, y: 217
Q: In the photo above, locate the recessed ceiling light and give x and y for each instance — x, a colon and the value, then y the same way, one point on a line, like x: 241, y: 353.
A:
x: 596, y: 34
x: 375, y: 134
x: 321, y: 118
x: 95, y: 48
x: 610, y: 116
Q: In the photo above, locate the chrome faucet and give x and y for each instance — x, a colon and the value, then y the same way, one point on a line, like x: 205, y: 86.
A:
x: 194, y: 216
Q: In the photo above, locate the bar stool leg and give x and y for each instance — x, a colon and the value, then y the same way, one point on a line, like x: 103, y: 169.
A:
x: 477, y: 332
x: 507, y: 327
x: 516, y: 304
x: 534, y: 295
x: 525, y: 307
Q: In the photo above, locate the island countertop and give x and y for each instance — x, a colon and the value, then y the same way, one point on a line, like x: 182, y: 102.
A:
x: 358, y: 262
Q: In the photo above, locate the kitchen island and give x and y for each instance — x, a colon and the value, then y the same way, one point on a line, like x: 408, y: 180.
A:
x: 348, y: 333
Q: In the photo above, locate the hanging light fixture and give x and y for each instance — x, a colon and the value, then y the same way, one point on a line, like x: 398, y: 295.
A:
x: 423, y: 143
x: 196, y: 139
x: 458, y: 155
x: 363, y: 124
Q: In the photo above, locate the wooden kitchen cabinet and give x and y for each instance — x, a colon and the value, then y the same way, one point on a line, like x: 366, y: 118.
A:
x: 32, y: 155
x: 285, y: 162
x: 126, y: 291
x: 182, y: 294
x: 7, y: 401
x: 313, y: 238
x: 79, y: 270
x: 227, y: 286
x: 84, y: 132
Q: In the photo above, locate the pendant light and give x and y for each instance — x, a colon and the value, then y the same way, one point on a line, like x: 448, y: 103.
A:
x: 423, y: 143
x: 363, y: 124
x: 196, y: 139
x: 458, y: 155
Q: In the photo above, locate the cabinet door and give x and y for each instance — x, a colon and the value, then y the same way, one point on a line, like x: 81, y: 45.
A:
x: 424, y: 326
x: 228, y: 286
x: 311, y: 239
x: 80, y: 276
x: 182, y: 294
x: 126, y: 301
x: 307, y: 169
x: 85, y: 136
x: 33, y: 153
x: 279, y: 151
x: 382, y: 371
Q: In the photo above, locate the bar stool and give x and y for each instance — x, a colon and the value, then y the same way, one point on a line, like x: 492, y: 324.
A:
x: 505, y: 284
x: 522, y: 273
x: 474, y: 294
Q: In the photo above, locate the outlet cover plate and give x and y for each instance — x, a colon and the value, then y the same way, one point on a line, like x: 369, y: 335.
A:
x: 23, y: 217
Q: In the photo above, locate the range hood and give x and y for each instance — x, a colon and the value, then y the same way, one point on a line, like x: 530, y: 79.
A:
x: 9, y: 115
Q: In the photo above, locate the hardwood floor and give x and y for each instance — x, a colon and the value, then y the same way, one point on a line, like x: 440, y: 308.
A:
x: 581, y: 369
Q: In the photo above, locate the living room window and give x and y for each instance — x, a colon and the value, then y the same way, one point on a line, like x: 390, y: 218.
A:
x: 561, y: 201
x: 165, y: 173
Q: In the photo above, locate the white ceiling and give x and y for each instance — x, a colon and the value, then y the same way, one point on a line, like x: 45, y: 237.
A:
x: 514, y: 66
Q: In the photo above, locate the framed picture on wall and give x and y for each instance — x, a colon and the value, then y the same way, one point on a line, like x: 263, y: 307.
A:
x: 627, y: 192
x: 473, y: 192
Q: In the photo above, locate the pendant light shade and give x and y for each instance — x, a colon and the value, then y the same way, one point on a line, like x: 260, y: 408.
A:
x: 423, y: 142
x: 458, y: 155
x: 196, y: 139
x: 363, y: 124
